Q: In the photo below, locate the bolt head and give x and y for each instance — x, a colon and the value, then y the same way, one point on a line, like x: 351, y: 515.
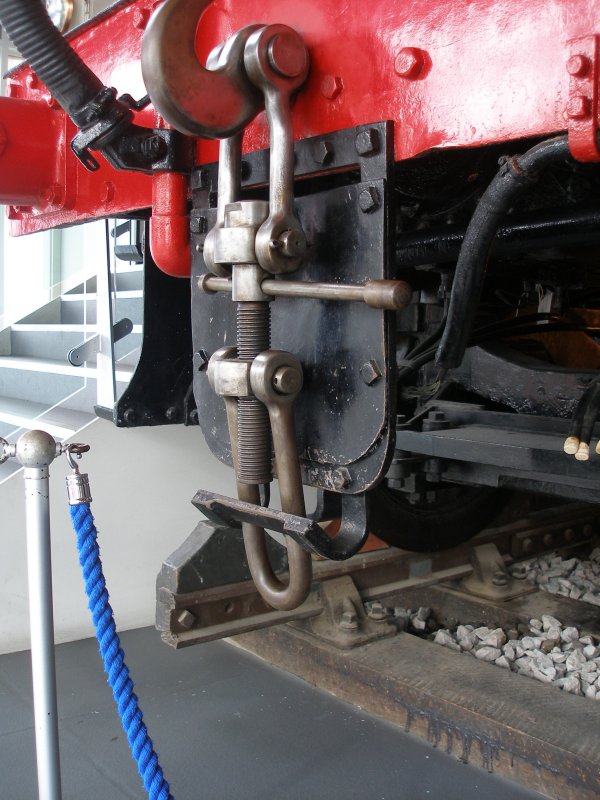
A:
x: 331, y: 86
x: 186, y: 619
x: 578, y: 65
x: 518, y: 572
x: 410, y: 62
x: 341, y: 478
x: 349, y: 621
x: 171, y: 414
x: 288, y: 55
x: 369, y: 200
x: 130, y: 416
x: 367, y: 142
x: 323, y: 152
x: 292, y: 243
x: 377, y: 611
x: 370, y: 372
x: 499, y: 579
x: 578, y: 107
x: 287, y: 380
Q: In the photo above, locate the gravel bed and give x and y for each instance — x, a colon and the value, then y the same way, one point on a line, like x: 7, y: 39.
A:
x: 545, y: 650
x: 570, y: 577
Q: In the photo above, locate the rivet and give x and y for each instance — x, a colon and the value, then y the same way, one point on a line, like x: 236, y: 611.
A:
x: 409, y: 63
x: 331, y: 86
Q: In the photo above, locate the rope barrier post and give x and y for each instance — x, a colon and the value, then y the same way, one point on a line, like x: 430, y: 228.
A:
x: 35, y: 451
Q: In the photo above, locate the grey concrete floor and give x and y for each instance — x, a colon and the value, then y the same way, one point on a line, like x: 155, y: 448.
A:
x: 227, y: 727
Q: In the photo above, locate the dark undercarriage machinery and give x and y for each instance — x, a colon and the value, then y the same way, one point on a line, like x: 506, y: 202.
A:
x: 382, y: 282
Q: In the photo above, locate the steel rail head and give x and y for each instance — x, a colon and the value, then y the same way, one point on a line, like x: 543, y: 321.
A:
x: 213, y: 104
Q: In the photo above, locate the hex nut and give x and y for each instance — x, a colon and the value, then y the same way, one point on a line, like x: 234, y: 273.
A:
x: 323, y: 152
x: 341, y: 478
x: 578, y: 65
x: 367, y: 142
x: 578, y: 107
x: 410, y: 62
x: 186, y: 619
x: 331, y: 86
x: 369, y: 200
x: 370, y: 372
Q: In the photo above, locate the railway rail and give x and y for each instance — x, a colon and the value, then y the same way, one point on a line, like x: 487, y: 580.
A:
x: 546, y: 739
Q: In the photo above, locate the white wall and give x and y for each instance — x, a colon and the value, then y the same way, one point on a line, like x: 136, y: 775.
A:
x: 142, y: 481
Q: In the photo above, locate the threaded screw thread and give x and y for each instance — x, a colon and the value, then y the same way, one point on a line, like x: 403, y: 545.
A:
x: 254, y: 434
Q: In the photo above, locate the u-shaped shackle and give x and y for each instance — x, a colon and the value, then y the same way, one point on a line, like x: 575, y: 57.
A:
x: 213, y: 104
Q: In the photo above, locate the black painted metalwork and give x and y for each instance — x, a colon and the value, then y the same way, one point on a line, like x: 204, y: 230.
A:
x: 159, y: 391
x: 344, y: 423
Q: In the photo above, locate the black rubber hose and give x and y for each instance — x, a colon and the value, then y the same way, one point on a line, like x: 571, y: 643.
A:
x: 70, y: 81
x: 590, y: 412
x: 514, y: 175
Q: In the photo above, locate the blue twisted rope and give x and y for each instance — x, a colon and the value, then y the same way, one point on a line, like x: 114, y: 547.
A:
x: 121, y: 684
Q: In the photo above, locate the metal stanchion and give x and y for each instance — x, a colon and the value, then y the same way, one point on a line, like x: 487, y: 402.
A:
x: 35, y: 451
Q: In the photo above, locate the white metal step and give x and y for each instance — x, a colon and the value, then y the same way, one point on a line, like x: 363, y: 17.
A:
x: 61, y: 328
x: 126, y: 294
x: 27, y: 363
x: 59, y: 422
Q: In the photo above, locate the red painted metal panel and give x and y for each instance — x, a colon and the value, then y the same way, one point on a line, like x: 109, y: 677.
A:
x: 458, y: 74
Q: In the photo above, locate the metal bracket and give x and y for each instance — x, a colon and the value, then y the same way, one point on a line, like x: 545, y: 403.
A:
x: 226, y: 511
x: 582, y: 109
x: 490, y: 578
x: 343, y: 622
x: 88, y: 349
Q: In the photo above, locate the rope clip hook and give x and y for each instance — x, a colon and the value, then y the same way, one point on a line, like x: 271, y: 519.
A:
x: 78, y: 485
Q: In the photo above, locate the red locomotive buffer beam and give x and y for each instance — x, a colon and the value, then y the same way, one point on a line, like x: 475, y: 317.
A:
x: 32, y: 169
x: 458, y: 74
